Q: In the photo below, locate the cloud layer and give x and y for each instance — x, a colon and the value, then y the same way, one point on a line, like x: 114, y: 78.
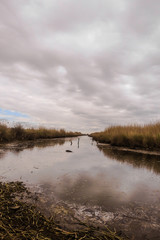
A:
x: 81, y: 65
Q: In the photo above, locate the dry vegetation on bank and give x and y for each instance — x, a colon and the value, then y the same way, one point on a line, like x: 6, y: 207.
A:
x: 8, y: 134
x: 20, y: 220
x: 132, y: 136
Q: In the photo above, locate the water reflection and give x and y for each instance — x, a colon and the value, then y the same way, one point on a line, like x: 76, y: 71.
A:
x: 87, y: 174
x: 2, y: 154
x: 16, y: 148
x: 136, y: 159
x: 78, y: 142
x: 52, y: 143
x: 86, y: 190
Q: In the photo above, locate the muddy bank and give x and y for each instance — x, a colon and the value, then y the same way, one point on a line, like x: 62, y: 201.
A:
x: 20, y: 219
x: 44, y: 216
x: 143, y: 151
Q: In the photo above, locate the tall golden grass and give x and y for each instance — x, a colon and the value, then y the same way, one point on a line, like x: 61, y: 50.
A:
x: 133, y: 136
x: 8, y: 134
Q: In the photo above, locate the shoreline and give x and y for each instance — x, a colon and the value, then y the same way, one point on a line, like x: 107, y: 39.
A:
x: 138, y: 150
x: 21, y: 219
x: 21, y: 144
x: 137, y: 137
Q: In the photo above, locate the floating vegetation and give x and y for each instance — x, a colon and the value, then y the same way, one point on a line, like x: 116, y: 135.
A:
x: 21, y: 220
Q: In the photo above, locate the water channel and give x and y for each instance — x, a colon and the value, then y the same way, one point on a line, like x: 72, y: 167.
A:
x: 103, y: 184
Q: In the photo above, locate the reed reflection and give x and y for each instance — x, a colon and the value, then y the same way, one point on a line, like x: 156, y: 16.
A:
x: 19, y: 147
x: 138, y: 160
x: 2, y: 154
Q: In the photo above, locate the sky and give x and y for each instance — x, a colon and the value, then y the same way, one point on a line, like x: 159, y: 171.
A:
x: 82, y: 65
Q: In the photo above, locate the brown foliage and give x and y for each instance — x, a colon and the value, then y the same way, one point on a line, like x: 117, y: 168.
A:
x: 133, y: 136
x: 8, y: 134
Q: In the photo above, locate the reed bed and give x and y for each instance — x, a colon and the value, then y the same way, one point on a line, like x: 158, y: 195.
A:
x: 22, y: 221
x: 8, y: 134
x: 132, y: 136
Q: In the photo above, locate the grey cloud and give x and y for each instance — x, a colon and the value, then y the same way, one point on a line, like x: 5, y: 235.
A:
x: 95, y: 62
x: 143, y: 16
x: 69, y: 15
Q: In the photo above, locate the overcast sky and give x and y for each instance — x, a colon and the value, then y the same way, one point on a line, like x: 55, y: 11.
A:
x: 80, y: 64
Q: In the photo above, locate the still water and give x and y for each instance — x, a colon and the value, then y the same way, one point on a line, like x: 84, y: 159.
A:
x: 92, y: 175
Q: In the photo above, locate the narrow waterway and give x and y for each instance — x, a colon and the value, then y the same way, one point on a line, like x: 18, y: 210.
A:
x: 110, y: 186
